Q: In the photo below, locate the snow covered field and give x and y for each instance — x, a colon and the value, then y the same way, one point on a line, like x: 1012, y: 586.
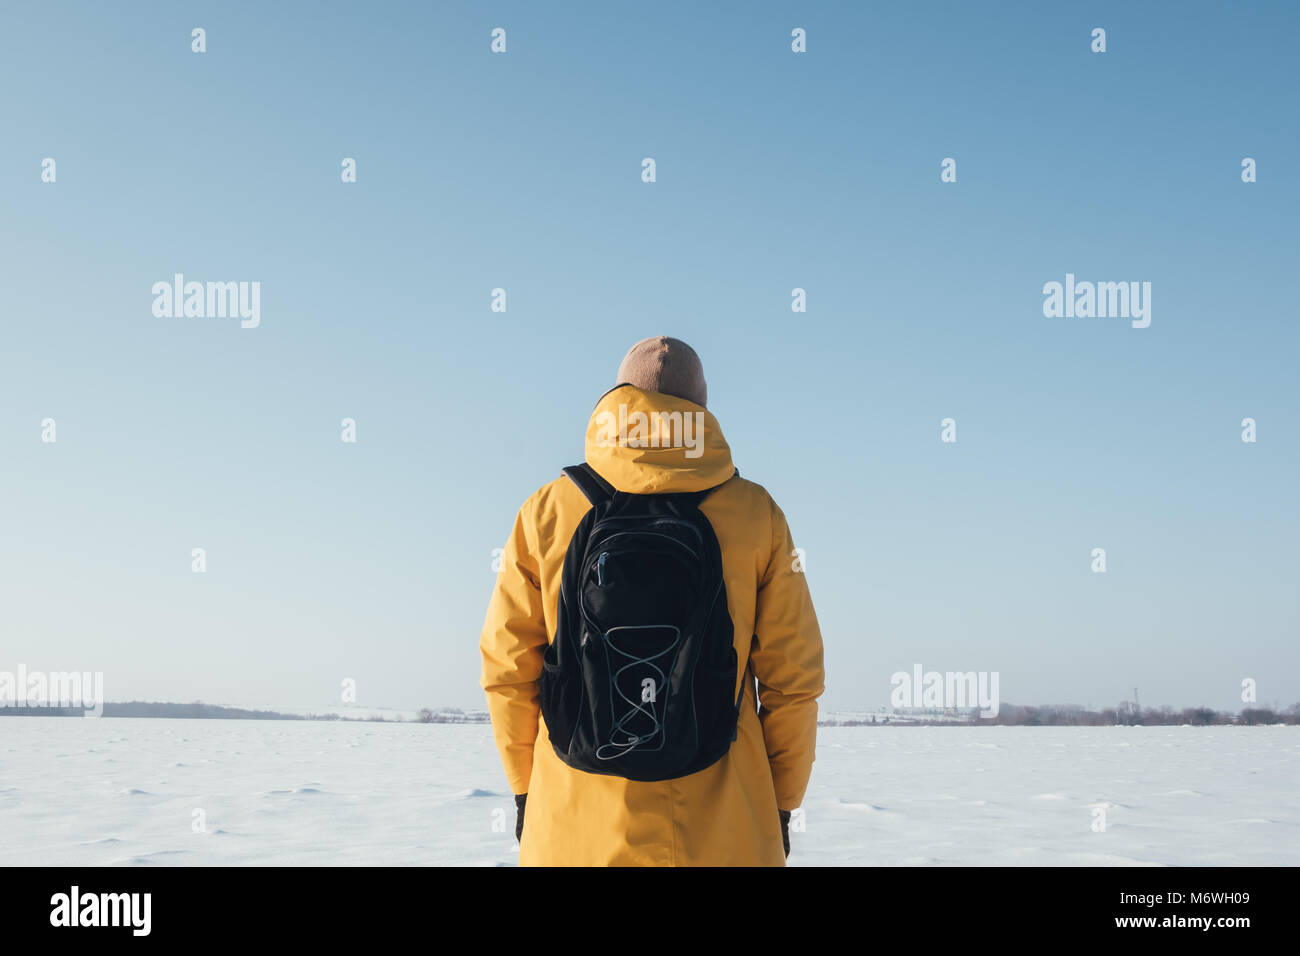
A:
x: 124, y: 791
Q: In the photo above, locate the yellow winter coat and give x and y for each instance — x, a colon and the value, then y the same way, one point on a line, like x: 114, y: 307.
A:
x: 725, y: 814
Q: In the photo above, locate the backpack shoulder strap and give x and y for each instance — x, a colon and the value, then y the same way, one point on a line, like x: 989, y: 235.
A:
x: 596, y: 488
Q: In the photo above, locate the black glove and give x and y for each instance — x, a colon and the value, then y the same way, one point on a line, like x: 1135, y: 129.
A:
x: 785, y: 830
x: 520, y: 800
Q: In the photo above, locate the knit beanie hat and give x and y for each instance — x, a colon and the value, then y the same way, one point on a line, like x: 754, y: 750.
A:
x: 666, y: 365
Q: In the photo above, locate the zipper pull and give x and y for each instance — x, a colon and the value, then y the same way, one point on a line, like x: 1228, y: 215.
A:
x: 600, y: 568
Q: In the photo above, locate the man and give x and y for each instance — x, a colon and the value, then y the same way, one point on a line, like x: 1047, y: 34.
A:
x: 736, y: 810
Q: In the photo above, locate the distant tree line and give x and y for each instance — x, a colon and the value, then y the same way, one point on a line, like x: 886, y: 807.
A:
x: 1126, y: 714
x: 1009, y: 715
x: 199, y: 710
x: 1070, y: 715
x: 143, y: 708
x: 452, y: 715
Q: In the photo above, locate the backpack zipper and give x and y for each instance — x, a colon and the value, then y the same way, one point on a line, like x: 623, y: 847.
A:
x: 655, y: 534
x: 662, y: 519
x: 600, y: 568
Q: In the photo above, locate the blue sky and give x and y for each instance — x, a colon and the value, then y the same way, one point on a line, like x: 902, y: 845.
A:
x: 774, y: 171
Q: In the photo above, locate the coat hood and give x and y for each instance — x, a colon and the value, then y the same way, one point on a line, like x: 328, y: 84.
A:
x: 645, y: 442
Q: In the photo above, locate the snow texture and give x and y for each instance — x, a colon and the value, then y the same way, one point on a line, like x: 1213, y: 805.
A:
x: 124, y: 791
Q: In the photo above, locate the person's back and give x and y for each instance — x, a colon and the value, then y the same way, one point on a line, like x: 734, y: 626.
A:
x: 726, y: 813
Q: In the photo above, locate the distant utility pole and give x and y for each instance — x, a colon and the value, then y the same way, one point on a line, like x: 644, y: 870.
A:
x: 1137, y: 708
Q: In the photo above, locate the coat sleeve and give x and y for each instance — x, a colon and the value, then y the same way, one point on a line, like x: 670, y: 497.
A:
x: 788, y: 665
x: 512, y: 643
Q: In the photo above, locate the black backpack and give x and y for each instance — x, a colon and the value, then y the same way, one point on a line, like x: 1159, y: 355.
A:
x: 640, y: 679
